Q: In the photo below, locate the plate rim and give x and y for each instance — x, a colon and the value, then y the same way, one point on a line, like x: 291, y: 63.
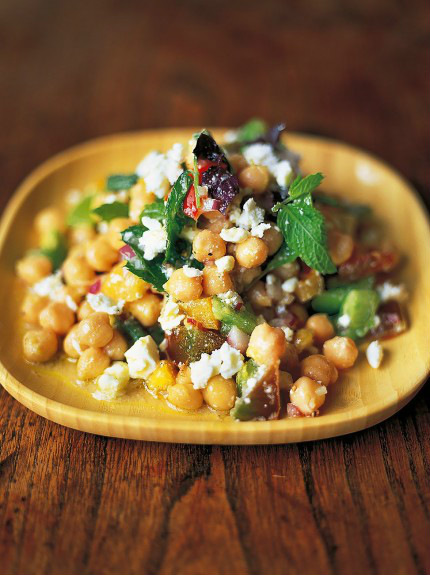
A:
x: 215, y: 432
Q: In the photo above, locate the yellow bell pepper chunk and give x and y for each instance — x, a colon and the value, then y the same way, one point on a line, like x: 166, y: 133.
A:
x: 121, y: 284
x: 201, y: 311
x: 163, y: 376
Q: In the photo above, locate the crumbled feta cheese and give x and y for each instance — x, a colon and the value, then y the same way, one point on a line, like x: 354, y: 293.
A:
x: 234, y: 235
x: 263, y: 155
x: 388, y: 291
x: 102, y: 227
x: 321, y: 390
x: 191, y: 272
x: 49, y: 286
x: 113, y: 381
x: 158, y: 170
x: 374, y: 354
x: 154, y: 239
x: 290, y: 285
x: 344, y: 320
x: 230, y: 136
x: 258, y: 231
x: 142, y: 357
x: 251, y: 215
x: 70, y: 302
x: 163, y: 345
x: 289, y: 333
x: 188, y: 233
x: 102, y: 302
x: 230, y: 297
x: 168, y: 270
x: 226, y: 361
x: 225, y: 264
x: 234, y: 214
x: 170, y: 316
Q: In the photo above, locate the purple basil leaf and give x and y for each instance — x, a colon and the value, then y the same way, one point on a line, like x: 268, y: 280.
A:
x: 221, y: 185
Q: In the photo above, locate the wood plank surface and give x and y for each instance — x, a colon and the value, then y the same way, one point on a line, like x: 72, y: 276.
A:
x: 75, y: 504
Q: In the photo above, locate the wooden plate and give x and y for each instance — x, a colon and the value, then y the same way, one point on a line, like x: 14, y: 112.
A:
x: 362, y: 398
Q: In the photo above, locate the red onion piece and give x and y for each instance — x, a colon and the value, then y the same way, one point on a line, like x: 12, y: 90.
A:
x: 238, y: 339
x: 211, y: 204
x: 293, y: 411
x: 95, y: 287
x: 127, y: 252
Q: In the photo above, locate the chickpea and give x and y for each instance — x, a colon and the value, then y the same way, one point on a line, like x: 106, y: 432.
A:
x: 32, y: 306
x: 139, y: 198
x: 341, y: 351
x: 252, y: 252
x: 273, y: 240
x: 321, y: 327
x: 307, y: 395
x: 78, y: 272
x: 33, y: 268
x: 184, y: 374
x: 287, y: 271
x: 290, y: 357
x: 340, y: 246
x: 214, y: 221
x: 215, y: 282
x: 84, y: 310
x: 40, y: 345
x: 208, y: 246
x: 184, y: 396
x: 285, y: 380
x: 319, y: 368
x: 303, y: 339
x: 308, y: 287
x: 71, y: 345
x: 49, y: 220
x: 69, y: 295
x: 267, y: 344
x: 300, y: 313
x: 81, y: 234
x: 92, y: 362
x: 258, y: 295
x: 146, y: 309
x: 182, y: 287
x: 58, y: 317
x: 254, y: 177
x: 95, y: 330
x: 101, y: 255
x: 243, y: 276
x: 116, y: 226
x: 117, y: 346
x: 220, y: 393
x: 237, y: 162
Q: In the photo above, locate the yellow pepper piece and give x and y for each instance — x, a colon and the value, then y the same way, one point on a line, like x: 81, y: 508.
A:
x: 163, y: 376
x: 120, y: 283
x: 201, y: 311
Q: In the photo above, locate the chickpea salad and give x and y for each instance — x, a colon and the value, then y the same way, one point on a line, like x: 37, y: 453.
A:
x: 212, y: 275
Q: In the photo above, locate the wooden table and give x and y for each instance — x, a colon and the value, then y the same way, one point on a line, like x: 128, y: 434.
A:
x: 74, y: 504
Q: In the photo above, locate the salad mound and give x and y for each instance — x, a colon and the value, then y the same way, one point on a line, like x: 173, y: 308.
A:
x: 217, y: 275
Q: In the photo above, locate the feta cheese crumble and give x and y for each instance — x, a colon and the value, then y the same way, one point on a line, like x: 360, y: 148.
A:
x: 234, y: 235
x: 226, y: 361
x: 388, y: 292
x: 112, y: 383
x: 258, y: 231
x: 102, y: 302
x: 263, y: 155
x: 251, y: 215
x: 52, y: 286
x: 142, y: 357
x: 159, y: 170
x: 170, y: 316
x: 374, y: 354
x: 230, y: 297
x: 154, y: 239
x: 290, y: 285
x: 188, y: 233
x: 344, y: 320
x: 191, y: 272
x: 225, y: 264
x: 288, y: 332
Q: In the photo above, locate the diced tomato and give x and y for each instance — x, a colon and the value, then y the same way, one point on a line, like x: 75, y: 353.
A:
x: 190, y: 206
x: 203, y: 165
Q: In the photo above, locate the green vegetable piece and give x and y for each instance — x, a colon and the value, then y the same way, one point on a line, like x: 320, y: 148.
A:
x: 243, y: 319
x: 252, y: 130
x: 330, y: 301
x: 156, y: 333
x: 260, y: 397
x: 81, y: 213
x: 359, y: 306
x: 117, y: 182
x: 130, y: 328
x: 283, y: 256
x: 154, y: 210
x: 54, y: 246
x: 108, y: 212
x: 248, y: 370
x: 175, y: 219
x: 187, y: 344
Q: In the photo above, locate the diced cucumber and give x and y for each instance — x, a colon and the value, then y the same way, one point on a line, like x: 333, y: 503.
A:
x: 260, y: 399
x: 243, y: 318
x: 330, y: 301
x: 359, y: 308
x: 248, y: 370
x: 130, y: 328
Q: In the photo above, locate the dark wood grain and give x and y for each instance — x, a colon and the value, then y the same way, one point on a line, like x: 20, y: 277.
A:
x: 74, y: 504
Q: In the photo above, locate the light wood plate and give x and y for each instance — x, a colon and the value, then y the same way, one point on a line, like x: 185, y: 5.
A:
x: 363, y: 396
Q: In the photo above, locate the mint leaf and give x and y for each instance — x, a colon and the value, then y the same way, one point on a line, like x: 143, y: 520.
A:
x: 154, y: 210
x: 304, y: 231
x: 303, y: 186
x: 251, y: 130
x: 175, y: 219
x: 150, y: 271
x: 283, y: 256
x: 108, y: 212
x: 81, y: 213
x: 117, y: 182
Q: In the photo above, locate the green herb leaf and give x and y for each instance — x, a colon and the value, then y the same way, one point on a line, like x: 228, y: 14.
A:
x: 54, y: 246
x: 301, y: 188
x: 196, y: 182
x: 81, y: 213
x: 108, y: 212
x: 175, y: 219
x: 283, y: 256
x: 154, y: 210
x: 149, y: 270
x: 251, y: 130
x: 117, y: 182
x: 304, y: 231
